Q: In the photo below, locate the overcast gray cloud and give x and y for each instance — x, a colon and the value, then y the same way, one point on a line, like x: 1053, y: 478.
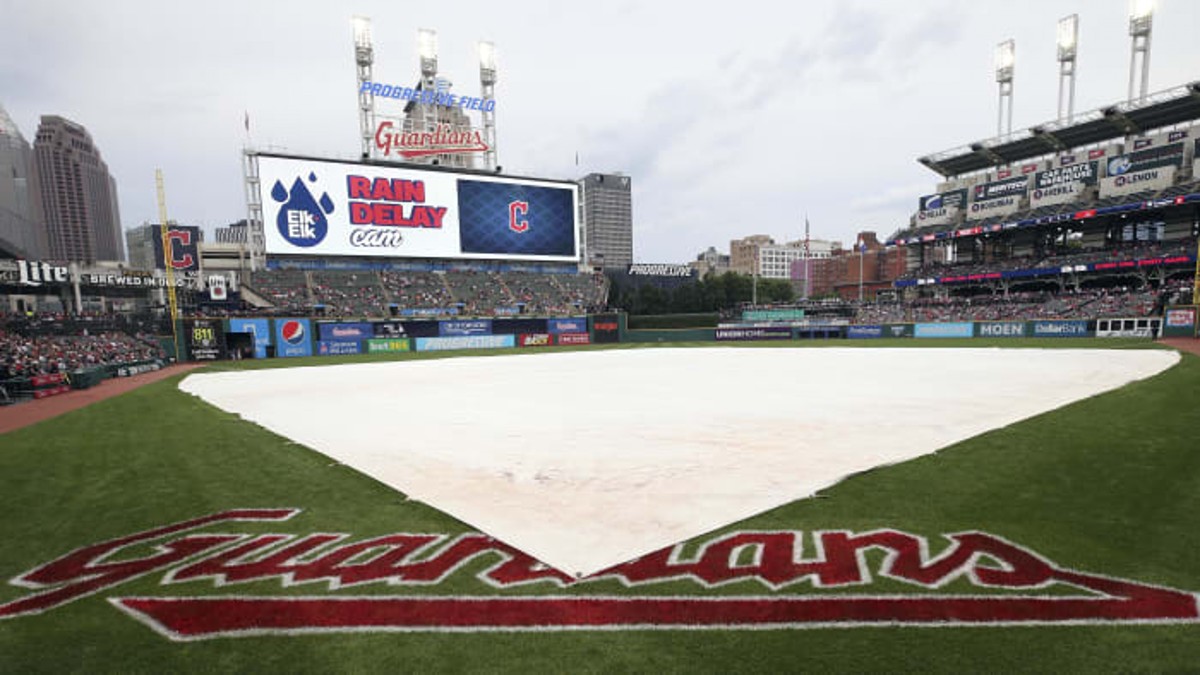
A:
x: 732, y: 120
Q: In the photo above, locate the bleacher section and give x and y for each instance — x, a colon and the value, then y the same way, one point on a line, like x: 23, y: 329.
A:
x: 370, y: 293
x: 287, y: 290
x: 426, y: 292
x: 348, y: 293
x: 1086, y: 305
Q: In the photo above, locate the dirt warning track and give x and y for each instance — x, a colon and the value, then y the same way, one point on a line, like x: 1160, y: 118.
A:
x: 14, y: 417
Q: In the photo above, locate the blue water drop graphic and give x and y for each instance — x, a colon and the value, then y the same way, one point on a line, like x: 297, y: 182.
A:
x: 300, y: 220
x: 278, y: 192
x: 327, y: 203
x: 312, y: 177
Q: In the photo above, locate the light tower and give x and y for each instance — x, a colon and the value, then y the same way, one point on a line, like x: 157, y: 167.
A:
x: 1006, y: 54
x: 427, y: 49
x: 1068, y: 41
x: 364, y: 57
x: 487, y: 85
x: 1141, y: 18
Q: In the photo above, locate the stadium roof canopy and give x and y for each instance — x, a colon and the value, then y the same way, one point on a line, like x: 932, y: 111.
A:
x: 1163, y: 109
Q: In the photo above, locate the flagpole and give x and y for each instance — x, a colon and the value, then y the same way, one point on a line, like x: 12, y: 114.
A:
x: 807, y: 260
x: 862, y: 247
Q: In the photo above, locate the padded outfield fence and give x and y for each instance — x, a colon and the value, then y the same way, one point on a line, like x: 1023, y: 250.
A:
x: 215, y: 339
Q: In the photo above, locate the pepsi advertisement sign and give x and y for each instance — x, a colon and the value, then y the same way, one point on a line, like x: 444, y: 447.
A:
x: 327, y: 208
x: 455, y: 328
x: 557, y: 326
x: 345, y: 331
x: 293, y: 337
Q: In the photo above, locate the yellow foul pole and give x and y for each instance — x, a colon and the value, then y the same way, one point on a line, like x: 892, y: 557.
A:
x: 168, y: 256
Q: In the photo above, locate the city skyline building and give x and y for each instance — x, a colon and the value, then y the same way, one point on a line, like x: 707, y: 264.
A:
x: 76, y: 194
x: 19, y: 216
x: 608, y: 220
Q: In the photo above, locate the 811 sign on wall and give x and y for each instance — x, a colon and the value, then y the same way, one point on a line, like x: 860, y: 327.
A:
x: 315, y: 207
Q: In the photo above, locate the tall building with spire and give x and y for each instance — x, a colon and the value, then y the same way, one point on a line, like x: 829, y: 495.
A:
x: 20, y: 231
x: 77, y: 195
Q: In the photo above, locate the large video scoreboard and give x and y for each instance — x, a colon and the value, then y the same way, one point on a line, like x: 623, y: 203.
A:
x: 315, y: 207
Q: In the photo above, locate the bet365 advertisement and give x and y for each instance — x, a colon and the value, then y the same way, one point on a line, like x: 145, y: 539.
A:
x: 318, y: 208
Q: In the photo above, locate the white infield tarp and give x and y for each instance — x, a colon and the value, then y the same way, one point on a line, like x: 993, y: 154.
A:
x: 588, y: 459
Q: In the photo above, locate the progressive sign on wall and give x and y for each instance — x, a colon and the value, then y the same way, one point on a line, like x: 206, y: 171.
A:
x: 318, y: 208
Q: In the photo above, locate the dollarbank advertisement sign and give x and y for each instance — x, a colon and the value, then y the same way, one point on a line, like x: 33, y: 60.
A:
x: 324, y: 208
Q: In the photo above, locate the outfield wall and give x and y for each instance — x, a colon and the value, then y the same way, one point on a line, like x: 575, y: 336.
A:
x: 212, y: 339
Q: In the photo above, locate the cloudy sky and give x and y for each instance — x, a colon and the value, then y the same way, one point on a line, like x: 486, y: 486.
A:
x: 733, y: 120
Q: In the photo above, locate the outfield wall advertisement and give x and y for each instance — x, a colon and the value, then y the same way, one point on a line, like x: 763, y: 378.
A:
x: 778, y: 333
x: 380, y: 345
x: 432, y: 344
x: 293, y: 337
x: 338, y: 347
x: 944, y: 330
x: 325, y: 208
x: 1060, y: 329
x: 1000, y: 329
x: 205, y: 339
x: 864, y: 332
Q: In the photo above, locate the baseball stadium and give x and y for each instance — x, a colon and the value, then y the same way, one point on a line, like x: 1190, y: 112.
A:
x: 413, y: 414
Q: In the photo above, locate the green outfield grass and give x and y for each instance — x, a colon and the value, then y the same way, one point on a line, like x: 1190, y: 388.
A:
x: 1109, y: 485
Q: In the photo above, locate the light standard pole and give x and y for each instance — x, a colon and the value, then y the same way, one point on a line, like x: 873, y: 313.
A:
x: 1006, y: 55
x: 1068, y: 49
x: 1141, y: 19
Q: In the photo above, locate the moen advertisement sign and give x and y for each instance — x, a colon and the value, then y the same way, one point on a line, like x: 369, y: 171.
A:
x: 325, y: 208
x: 1000, y: 329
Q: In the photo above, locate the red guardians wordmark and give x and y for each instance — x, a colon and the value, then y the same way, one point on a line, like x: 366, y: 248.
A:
x: 1015, y: 579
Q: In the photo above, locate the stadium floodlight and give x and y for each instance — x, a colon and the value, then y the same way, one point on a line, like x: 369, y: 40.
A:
x: 1006, y: 58
x: 364, y: 57
x: 427, y: 48
x: 1140, y: 9
x: 487, y: 85
x: 487, y: 61
x: 1141, y: 20
x: 362, y: 31
x: 1068, y: 37
x: 1068, y: 49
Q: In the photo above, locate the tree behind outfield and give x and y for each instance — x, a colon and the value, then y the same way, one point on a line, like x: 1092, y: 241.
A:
x: 710, y: 294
